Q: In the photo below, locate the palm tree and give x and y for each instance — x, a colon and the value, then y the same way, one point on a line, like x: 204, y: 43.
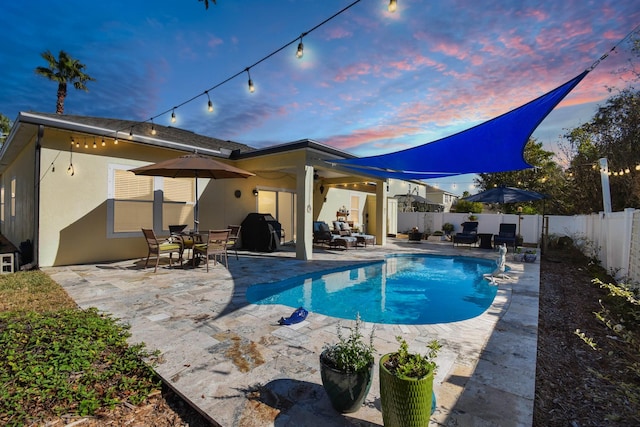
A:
x: 64, y: 70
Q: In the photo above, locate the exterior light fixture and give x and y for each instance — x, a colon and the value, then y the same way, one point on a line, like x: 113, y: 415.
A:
x: 173, y: 115
x: 209, y: 103
x: 250, y: 82
x: 393, y: 5
x: 255, y: 192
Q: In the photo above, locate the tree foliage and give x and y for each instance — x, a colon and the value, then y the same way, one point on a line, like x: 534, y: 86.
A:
x: 545, y: 177
x: 5, y: 127
x: 64, y: 70
x: 613, y: 133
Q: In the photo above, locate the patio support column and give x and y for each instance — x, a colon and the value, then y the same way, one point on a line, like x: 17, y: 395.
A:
x: 304, y: 209
x: 381, y: 212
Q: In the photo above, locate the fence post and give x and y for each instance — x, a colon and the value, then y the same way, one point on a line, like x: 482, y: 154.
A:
x: 626, y: 243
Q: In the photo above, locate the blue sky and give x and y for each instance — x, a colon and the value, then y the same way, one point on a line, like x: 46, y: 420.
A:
x: 370, y: 82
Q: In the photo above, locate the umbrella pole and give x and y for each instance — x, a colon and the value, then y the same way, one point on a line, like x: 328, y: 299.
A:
x: 196, y: 215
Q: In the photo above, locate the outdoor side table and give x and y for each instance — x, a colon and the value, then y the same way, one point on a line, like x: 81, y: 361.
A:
x: 485, y: 240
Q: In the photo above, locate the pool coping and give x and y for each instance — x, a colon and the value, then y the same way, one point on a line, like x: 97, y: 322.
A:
x: 207, y: 333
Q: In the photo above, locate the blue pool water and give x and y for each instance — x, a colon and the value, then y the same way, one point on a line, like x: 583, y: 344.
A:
x: 402, y: 289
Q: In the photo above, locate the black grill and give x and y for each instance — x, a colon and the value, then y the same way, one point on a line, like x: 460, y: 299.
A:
x: 261, y: 233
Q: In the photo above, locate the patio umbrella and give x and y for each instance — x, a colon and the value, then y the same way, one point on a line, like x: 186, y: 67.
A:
x: 193, y: 166
x: 504, y: 194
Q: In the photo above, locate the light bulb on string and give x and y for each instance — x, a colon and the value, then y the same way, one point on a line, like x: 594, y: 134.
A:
x: 300, y: 51
x: 173, y: 115
x: 209, y: 103
x: 131, y: 133
x: 103, y: 142
x: 94, y: 142
x: 115, y: 140
x: 250, y: 82
x: 85, y: 143
x: 153, y: 127
x: 393, y: 5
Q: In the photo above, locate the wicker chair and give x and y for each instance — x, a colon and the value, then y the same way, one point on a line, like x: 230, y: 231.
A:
x: 215, y: 244
x: 234, y: 238
x: 158, y: 247
x: 469, y: 234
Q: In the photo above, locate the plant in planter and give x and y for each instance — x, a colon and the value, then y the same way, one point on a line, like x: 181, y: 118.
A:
x: 447, y: 227
x: 346, y: 368
x: 406, y: 385
x: 415, y: 234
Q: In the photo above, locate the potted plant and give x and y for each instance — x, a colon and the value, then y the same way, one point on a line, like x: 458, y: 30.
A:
x: 406, y: 385
x: 447, y: 227
x: 346, y: 368
x: 415, y: 234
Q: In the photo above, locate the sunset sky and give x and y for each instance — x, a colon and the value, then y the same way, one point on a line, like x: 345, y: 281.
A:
x: 370, y: 81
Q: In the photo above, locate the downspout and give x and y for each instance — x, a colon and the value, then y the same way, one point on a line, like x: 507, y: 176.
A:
x: 36, y: 199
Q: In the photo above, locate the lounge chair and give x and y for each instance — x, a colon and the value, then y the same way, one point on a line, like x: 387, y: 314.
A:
x: 321, y: 232
x: 158, y: 247
x: 216, y: 245
x: 506, y: 235
x: 468, y: 235
x: 341, y: 228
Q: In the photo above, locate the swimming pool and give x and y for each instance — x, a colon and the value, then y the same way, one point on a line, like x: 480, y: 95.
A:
x: 402, y: 289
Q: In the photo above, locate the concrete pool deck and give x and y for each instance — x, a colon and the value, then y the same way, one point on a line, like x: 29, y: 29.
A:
x: 238, y: 367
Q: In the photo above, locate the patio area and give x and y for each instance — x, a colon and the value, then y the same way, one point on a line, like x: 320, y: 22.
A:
x: 238, y: 367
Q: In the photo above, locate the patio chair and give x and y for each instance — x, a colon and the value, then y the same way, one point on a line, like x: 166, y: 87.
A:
x: 234, y: 237
x: 215, y: 244
x: 321, y: 232
x: 506, y: 235
x: 158, y: 247
x: 468, y: 235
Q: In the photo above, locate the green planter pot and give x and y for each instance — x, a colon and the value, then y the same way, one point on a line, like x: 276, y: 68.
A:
x: 406, y: 402
x: 346, y: 391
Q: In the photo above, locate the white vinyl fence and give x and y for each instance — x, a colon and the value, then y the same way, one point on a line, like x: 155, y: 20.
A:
x: 612, y: 238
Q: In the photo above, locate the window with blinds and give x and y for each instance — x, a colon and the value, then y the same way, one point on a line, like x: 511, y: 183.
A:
x: 133, y: 201
x: 179, y: 197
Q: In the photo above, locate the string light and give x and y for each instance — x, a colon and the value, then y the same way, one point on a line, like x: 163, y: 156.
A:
x: 300, y: 50
x: 70, y: 170
x: 94, y: 142
x: 103, y: 142
x: 209, y: 103
x: 72, y: 142
x: 153, y: 127
x: 115, y: 140
x: 393, y: 5
x: 250, y: 82
x: 85, y: 143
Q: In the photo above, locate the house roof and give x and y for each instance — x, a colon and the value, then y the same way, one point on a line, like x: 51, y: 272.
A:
x: 165, y: 136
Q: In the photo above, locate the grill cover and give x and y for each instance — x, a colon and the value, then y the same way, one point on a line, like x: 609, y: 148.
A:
x: 260, y: 233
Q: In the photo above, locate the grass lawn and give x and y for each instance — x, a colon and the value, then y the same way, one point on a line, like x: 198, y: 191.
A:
x: 58, y: 359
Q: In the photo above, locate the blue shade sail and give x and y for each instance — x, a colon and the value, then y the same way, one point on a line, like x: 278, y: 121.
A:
x: 496, y: 145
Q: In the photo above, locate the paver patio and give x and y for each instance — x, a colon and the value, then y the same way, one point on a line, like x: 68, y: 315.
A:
x: 238, y: 367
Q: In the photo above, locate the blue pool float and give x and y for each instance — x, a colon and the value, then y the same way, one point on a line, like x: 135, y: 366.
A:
x: 296, y: 317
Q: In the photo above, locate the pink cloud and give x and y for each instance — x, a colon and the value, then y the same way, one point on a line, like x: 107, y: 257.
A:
x: 337, y: 33
x: 214, y: 41
x: 352, y: 71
